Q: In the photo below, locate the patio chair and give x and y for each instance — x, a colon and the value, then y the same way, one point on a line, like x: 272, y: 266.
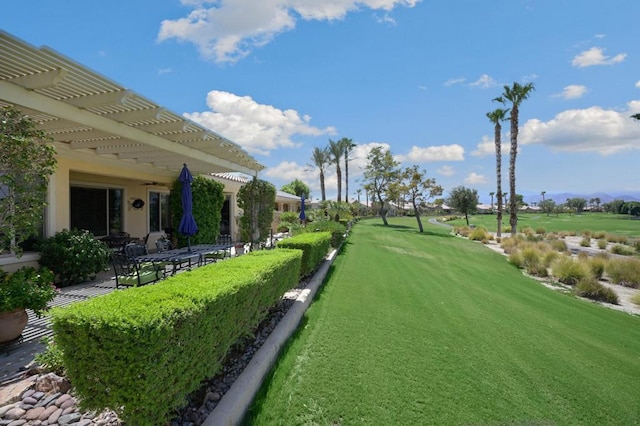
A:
x: 130, y: 273
x: 163, y: 244
x: 135, y: 250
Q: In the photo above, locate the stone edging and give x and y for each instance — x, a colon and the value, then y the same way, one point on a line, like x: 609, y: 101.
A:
x: 236, y: 401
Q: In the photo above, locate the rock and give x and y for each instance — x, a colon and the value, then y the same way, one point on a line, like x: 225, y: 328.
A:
x: 48, y: 412
x: 13, y: 392
x: 68, y: 410
x: 53, y: 418
x: 49, y: 400
x: 17, y: 423
x: 69, y: 418
x: 63, y: 398
x: 29, y: 393
x: 15, y: 413
x: 83, y: 422
x: 37, y: 395
x: 29, y: 400
x: 34, y: 413
x: 51, y: 382
x: 6, y: 408
x: 68, y: 404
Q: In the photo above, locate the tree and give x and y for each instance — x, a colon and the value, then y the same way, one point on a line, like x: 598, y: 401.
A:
x: 336, y: 149
x: 578, y: 204
x: 542, y: 193
x: 418, y: 189
x: 348, y: 146
x: 256, y: 199
x: 492, y: 194
x: 464, y: 200
x: 297, y: 187
x: 496, y: 117
x: 515, y: 95
x: 380, y: 171
x: 27, y: 160
x: 636, y: 116
x: 548, y: 206
x: 320, y: 157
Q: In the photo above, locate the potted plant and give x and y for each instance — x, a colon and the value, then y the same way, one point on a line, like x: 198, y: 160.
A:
x: 27, y: 288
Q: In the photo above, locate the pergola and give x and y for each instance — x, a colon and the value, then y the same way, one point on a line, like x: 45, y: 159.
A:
x: 87, y: 113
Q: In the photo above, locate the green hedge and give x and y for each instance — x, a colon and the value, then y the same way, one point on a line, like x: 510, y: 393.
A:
x: 140, y: 351
x: 314, y: 246
x: 337, y: 229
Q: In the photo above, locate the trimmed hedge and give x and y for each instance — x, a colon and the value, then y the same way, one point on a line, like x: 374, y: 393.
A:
x: 314, y: 246
x: 141, y: 351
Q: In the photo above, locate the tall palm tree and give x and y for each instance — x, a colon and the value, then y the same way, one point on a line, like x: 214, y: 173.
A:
x: 542, y: 193
x: 492, y: 194
x: 320, y: 157
x: 336, y: 149
x: 496, y: 117
x: 515, y: 95
x: 348, y: 146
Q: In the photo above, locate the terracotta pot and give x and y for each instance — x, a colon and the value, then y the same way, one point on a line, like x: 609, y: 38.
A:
x: 12, y: 323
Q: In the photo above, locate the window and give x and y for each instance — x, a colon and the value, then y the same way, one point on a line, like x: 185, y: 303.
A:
x: 159, y: 214
x: 98, y: 210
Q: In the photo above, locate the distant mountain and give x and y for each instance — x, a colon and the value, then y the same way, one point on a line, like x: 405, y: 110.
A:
x: 561, y: 198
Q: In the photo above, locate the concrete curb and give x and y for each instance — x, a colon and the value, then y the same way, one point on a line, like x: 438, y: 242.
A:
x: 235, y: 403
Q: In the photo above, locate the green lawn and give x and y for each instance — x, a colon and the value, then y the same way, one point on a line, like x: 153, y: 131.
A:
x: 611, y: 223
x: 427, y: 328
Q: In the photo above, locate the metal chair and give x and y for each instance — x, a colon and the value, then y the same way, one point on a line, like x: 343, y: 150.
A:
x: 130, y: 273
x: 163, y: 244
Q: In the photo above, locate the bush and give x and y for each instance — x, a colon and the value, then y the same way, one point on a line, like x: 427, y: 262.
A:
x: 636, y: 245
x: 585, y: 242
x: 590, y: 287
x: 636, y: 299
x: 479, y: 234
x: 463, y: 231
x: 569, y: 271
x: 625, y: 272
x: 515, y: 258
x: 597, y: 266
x: 114, y: 346
x: 51, y: 358
x: 618, y: 239
x: 541, y: 231
x: 314, y: 246
x: 559, y: 245
x: 337, y: 230
x: 599, y: 235
x: 73, y: 256
x: 602, y: 244
x: 621, y: 250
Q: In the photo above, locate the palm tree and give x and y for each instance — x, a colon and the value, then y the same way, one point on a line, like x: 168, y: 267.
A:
x: 542, y: 193
x: 336, y: 149
x: 636, y: 116
x: 348, y: 146
x: 515, y: 95
x: 492, y: 194
x: 496, y: 117
x: 320, y: 157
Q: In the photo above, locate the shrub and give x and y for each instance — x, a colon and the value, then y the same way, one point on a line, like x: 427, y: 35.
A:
x: 569, y: 271
x: 26, y: 288
x: 314, y: 246
x: 597, y: 265
x: 541, y: 231
x: 51, y: 358
x: 515, y: 258
x: 585, y: 242
x: 621, y: 250
x: 463, y: 231
x: 114, y: 346
x: 636, y: 244
x: 599, y: 235
x: 337, y: 230
x: 614, y: 238
x: 625, y: 272
x: 636, y: 299
x: 602, y: 244
x: 590, y: 288
x: 559, y: 245
x: 73, y: 256
x: 549, y: 257
x: 479, y: 234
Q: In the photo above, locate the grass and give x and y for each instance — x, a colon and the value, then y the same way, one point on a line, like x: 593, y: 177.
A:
x: 595, y: 222
x: 427, y: 328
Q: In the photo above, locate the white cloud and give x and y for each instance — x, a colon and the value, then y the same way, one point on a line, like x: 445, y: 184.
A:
x: 433, y: 153
x: 453, y: 81
x: 487, y: 147
x: 256, y: 127
x: 638, y: 84
x: 484, y: 82
x: 165, y: 71
x: 446, y: 171
x: 595, y: 56
x: 573, y: 91
x: 475, y: 179
x: 289, y: 170
x: 228, y: 30
x: 593, y: 129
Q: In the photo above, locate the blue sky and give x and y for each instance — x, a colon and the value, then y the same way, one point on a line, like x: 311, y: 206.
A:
x: 280, y: 77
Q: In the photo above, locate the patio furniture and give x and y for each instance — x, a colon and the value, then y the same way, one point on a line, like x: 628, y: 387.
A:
x: 135, y: 249
x: 131, y: 273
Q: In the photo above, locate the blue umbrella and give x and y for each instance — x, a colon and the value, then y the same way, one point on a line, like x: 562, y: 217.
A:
x: 303, y: 217
x: 188, y: 224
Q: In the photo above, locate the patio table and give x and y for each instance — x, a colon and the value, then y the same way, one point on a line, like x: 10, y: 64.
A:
x: 178, y: 256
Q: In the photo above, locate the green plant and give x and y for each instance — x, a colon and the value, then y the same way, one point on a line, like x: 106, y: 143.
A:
x: 621, y: 249
x: 479, y: 234
x: 51, y: 358
x: 26, y: 162
x: 559, y: 245
x: 597, y: 265
x: 590, y: 288
x: 569, y: 271
x: 73, y: 256
x: 541, y: 231
x: 256, y: 199
x: 26, y: 288
x: 314, y: 247
x: 602, y: 243
x: 585, y: 242
x: 636, y: 299
x: 337, y: 229
x: 625, y: 272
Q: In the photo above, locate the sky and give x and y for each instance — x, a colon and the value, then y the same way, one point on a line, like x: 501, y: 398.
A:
x: 280, y: 77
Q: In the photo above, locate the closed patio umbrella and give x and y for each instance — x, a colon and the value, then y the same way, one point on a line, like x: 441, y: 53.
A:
x: 303, y: 216
x: 188, y: 226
